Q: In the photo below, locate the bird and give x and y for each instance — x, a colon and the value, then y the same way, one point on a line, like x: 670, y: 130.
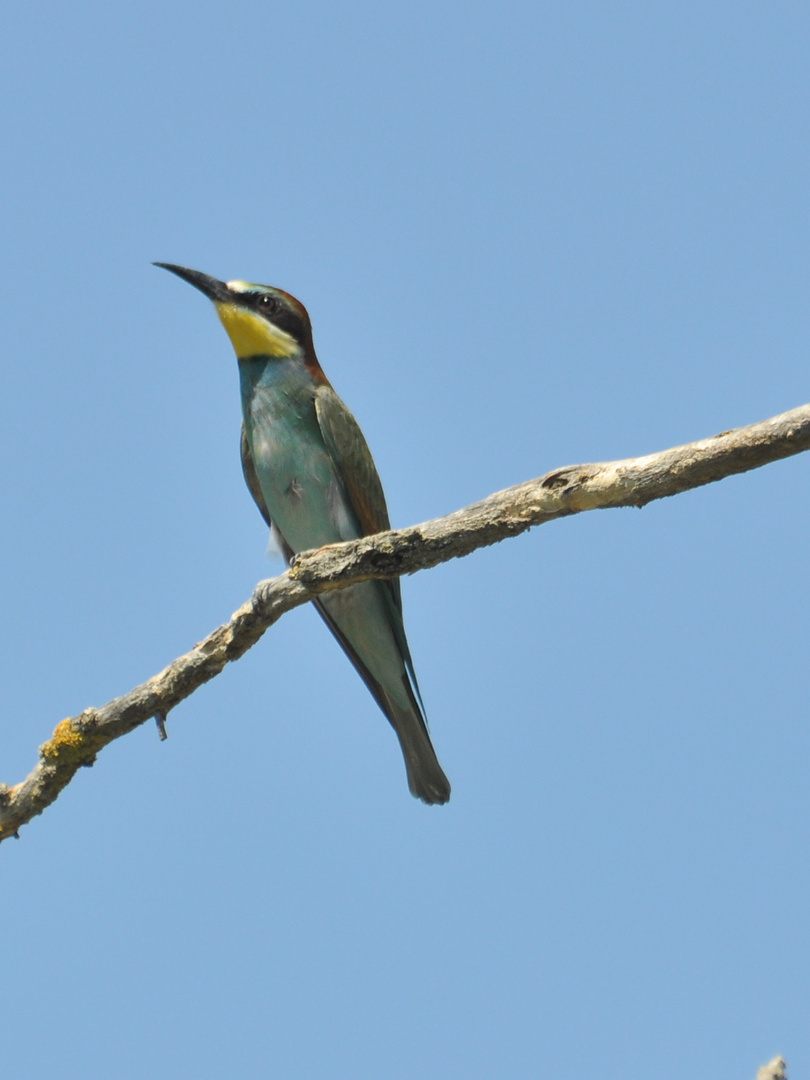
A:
x: 310, y: 472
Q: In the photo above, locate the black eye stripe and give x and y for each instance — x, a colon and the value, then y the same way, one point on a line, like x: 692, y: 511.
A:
x: 280, y: 314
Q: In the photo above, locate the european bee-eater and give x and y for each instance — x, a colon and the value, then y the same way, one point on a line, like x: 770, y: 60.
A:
x: 313, y: 479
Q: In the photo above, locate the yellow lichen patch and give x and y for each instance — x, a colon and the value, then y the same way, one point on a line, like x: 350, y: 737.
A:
x: 65, y: 740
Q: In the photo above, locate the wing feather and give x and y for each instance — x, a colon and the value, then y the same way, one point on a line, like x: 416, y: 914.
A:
x: 354, y: 463
x: 349, y: 450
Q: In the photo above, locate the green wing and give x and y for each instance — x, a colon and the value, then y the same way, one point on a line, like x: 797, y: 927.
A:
x: 354, y: 463
x: 349, y: 449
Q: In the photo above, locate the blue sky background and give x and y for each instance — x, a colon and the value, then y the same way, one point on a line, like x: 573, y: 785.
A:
x: 529, y: 235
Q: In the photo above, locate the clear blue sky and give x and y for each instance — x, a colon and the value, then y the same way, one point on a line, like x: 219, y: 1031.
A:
x: 528, y: 234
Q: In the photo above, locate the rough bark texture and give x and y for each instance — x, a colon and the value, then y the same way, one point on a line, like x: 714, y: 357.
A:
x: 570, y: 490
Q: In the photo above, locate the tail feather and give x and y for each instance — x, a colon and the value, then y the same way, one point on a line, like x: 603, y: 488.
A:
x: 426, y: 779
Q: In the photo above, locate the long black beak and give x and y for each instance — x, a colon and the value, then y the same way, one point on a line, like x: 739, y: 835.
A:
x: 215, y: 290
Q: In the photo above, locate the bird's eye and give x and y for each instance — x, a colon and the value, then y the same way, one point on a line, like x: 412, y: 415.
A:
x: 268, y: 303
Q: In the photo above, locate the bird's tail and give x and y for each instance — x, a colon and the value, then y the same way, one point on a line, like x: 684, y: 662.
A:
x: 396, y: 698
x: 426, y: 778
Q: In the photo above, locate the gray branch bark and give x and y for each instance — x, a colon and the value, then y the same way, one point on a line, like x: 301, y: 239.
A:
x: 571, y: 490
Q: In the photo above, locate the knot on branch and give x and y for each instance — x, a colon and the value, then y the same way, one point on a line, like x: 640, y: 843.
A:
x: 570, y: 477
x: 562, y: 478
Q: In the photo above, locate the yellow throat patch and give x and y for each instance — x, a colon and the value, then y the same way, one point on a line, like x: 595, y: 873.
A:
x: 251, y: 335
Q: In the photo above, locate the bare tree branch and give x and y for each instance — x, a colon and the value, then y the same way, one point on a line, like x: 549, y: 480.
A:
x: 774, y: 1070
x: 570, y: 490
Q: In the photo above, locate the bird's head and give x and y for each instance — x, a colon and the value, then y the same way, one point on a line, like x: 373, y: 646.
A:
x: 260, y: 320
